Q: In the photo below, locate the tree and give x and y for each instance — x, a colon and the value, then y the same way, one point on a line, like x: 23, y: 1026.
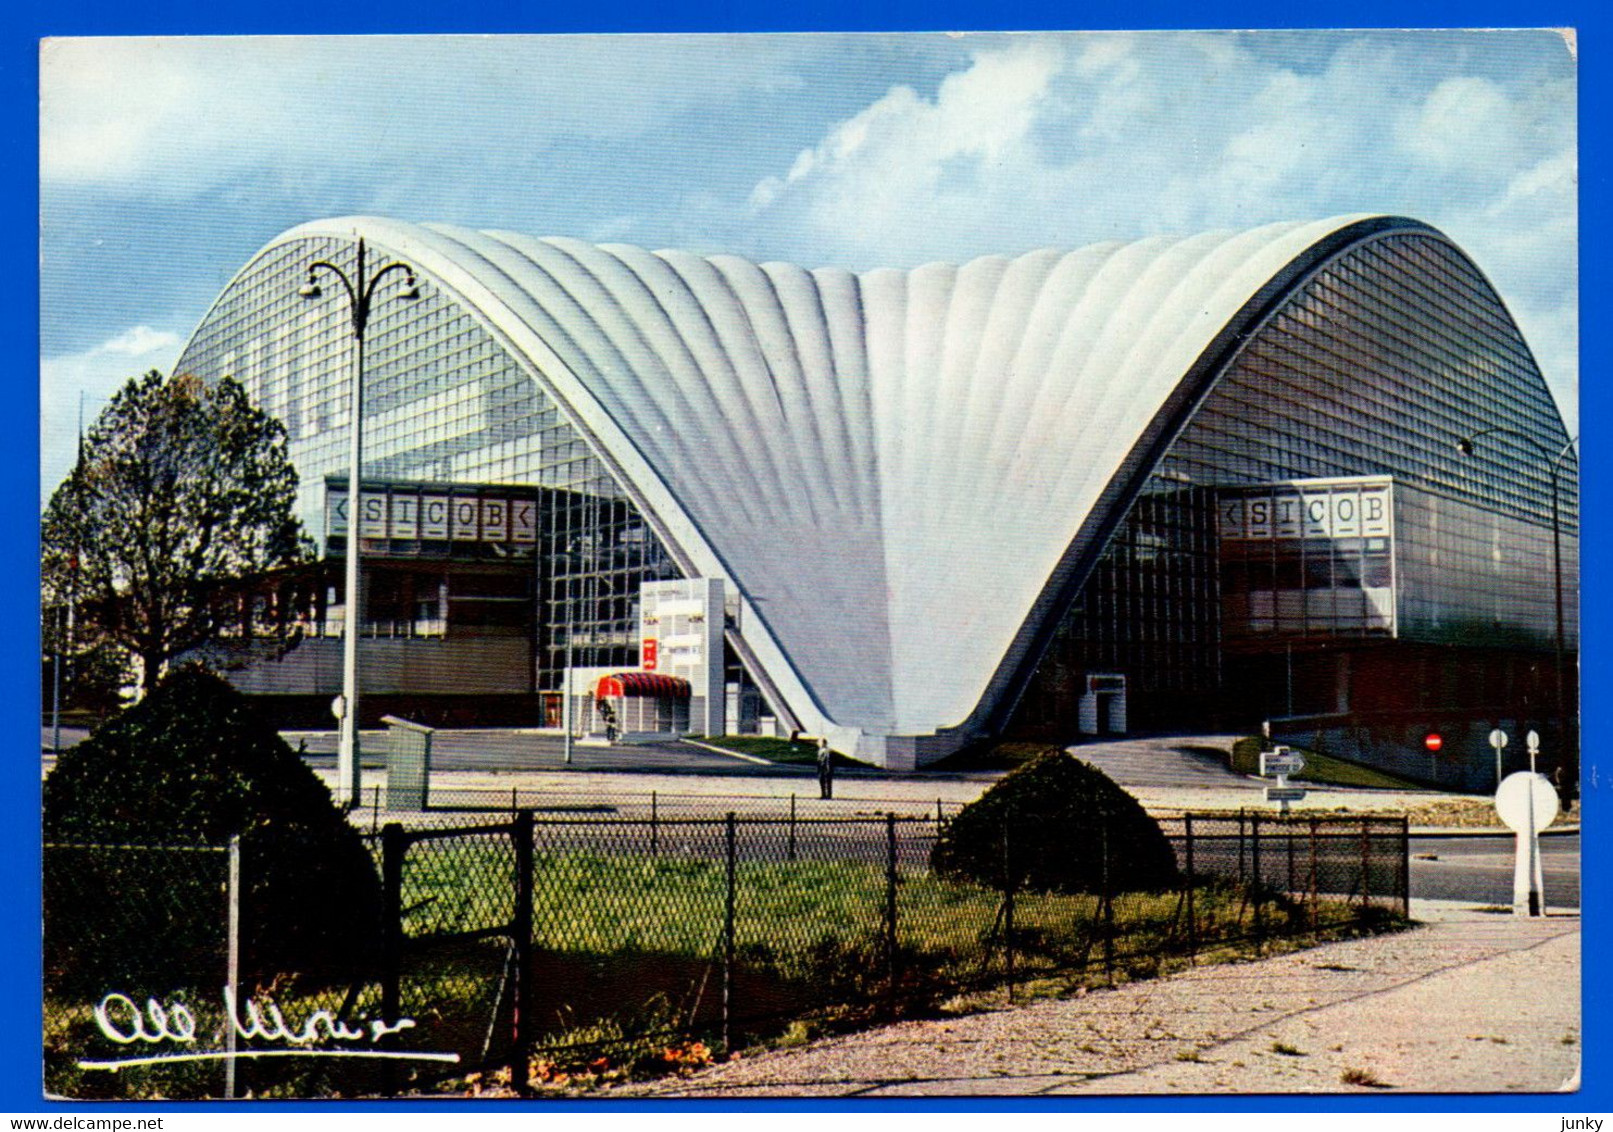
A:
x: 181, y: 487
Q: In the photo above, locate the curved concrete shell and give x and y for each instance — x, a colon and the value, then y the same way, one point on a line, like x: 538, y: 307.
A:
x: 902, y: 474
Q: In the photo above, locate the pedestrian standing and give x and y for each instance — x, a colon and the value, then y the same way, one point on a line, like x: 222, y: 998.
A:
x: 826, y: 770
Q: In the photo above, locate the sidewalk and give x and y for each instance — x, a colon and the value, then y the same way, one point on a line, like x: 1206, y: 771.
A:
x: 1466, y: 1002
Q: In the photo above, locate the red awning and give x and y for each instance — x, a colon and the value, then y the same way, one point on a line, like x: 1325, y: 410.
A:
x: 642, y: 684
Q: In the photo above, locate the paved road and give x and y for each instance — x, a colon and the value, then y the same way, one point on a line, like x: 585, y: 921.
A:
x: 1479, y: 869
x: 517, y: 751
x: 1169, y: 762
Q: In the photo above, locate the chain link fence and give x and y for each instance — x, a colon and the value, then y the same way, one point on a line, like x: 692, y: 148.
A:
x: 166, y: 975
x: 543, y: 944
x: 612, y: 941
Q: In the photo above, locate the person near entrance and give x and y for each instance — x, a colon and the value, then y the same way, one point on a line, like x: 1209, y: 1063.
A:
x: 826, y: 770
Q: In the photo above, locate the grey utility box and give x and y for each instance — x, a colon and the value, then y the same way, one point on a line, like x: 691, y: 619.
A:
x: 408, y: 764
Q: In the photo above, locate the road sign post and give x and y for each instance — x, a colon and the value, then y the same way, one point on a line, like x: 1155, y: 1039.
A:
x: 1498, y: 740
x: 1280, y: 763
x: 1537, y: 891
x: 1527, y: 803
x: 1433, y: 742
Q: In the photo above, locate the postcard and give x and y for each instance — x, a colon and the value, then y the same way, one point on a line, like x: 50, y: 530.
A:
x: 751, y: 566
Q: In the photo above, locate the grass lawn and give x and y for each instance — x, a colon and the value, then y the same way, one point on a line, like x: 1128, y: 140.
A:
x: 627, y: 937
x: 1325, y: 770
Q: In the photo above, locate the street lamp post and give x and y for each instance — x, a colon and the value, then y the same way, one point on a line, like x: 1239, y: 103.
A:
x: 360, y: 295
x: 1467, y: 447
x: 570, y: 709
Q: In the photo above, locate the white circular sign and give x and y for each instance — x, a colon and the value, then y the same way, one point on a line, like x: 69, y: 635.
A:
x: 1498, y: 738
x: 338, y: 707
x: 1512, y: 801
x: 1532, y: 741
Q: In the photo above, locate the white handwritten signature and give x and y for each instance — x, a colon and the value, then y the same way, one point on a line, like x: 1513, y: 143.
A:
x: 121, y: 1020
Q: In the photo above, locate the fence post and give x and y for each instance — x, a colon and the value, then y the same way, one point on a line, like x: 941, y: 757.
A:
x: 655, y: 825
x: 1192, y: 883
x: 232, y: 968
x: 1108, y: 899
x: 1366, y: 863
x: 890, y: 905
x: 1315, y: 891
x: 939, y: 818
x: 792, y: 826
x: 1240, y: 845
x: 1288, y: 831
x: 1255, y: 879
x: 394, y: 844
x: 1405, y: 866
x: 728, y: 940
x: 1008, y: 910
x: 521, y: 936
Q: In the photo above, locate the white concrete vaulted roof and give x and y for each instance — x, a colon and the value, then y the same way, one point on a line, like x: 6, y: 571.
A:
x: 897, y: 471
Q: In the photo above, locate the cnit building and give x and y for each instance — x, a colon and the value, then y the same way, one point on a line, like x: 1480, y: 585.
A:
x: 1191, y: 483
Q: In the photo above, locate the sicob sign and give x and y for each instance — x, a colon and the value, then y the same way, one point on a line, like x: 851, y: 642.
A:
x: 1309, y: 509
x: 408, y: 511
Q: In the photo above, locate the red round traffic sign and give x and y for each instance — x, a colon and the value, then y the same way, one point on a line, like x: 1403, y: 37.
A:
x: 1433, y: 742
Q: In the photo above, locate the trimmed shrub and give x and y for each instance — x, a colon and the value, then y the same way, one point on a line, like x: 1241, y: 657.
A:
x: 194, y: 764
x: 1043, y: 828
x: 1245, y: 756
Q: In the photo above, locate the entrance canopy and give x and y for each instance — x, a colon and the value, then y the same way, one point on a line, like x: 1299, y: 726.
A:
x: 648, y: 684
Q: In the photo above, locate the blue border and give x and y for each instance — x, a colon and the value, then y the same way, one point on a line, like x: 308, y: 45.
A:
x: 19, y: 460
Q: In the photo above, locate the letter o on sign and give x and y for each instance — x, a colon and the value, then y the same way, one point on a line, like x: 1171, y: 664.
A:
x: 1433, y: 742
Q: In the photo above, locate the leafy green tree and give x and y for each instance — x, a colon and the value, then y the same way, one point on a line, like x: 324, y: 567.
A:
x: 181, y: 487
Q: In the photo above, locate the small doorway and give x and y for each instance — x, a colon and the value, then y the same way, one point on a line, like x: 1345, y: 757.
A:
x: 1103, y: 704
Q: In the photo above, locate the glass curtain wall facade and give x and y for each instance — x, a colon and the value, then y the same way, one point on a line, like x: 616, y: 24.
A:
x: 444, y: 403
x: 1377, y: 365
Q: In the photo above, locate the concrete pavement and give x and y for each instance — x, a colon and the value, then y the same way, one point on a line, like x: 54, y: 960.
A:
x: 1169, y: 763
x: 1466, y: 1002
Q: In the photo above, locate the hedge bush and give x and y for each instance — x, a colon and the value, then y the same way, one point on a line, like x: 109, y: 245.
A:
x: 1042, y: 828
x: 194, y: 763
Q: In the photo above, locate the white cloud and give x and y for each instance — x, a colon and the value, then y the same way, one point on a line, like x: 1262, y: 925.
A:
x: 1067, y: 141
x: 176, y: 117
x: 1462, y: 123
x: 95, y: 375
x: 104, y: 102
x: 140, y: 342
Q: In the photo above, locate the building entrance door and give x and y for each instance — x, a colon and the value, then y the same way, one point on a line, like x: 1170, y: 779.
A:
x: 1103, y: 704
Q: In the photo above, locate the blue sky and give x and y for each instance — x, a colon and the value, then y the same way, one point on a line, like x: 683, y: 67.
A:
x: 166, y: 163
